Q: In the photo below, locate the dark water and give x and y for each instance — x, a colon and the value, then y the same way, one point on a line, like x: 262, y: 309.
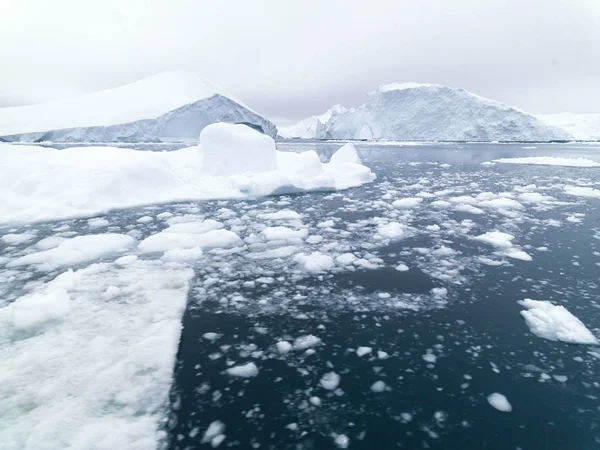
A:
x: 439, y: 353
x: 480, y: 341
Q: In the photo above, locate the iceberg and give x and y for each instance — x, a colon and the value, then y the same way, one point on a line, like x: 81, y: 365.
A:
x: 232, y: 161
x: 169, y: 106
x: 310, y: 127
x: 585, y: 127
x: 431, y: 112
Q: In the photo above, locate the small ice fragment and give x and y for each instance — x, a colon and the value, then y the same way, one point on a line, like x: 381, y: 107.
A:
x: 316, y: 401
x: 362, y: 351
x: 304, y: 342
x: 402, y: 268
x: 430, y: 358
x: 243, y: 371
x: 330, y: 381
x: 499, y: 402
x: 378, y: 386
x: 211, y: 336
x: 215, y: 429
x: 283, y: 347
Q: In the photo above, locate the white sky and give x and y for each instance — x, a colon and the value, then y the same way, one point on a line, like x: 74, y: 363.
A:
x: 289, y: 59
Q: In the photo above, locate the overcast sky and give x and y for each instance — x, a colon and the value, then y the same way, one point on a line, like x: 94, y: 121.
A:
x: 289, y: 59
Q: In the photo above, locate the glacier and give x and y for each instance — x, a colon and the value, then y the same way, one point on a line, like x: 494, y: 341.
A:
x: 169, y: 106
x: 585, y: 127
x: 310, y: 127
x: 431, y: 112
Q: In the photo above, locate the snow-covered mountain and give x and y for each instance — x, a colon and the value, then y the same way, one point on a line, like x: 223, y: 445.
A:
x: 168, y: 106
x: 311, y: 126
x: 431, y: 112
x: 581, y: 126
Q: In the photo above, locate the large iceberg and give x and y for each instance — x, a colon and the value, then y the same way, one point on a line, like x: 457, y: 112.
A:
x: 430, y: 112
x: 585, y: 127
x: 310, y: 127
x: 232, y: 161
x: 169, y: 106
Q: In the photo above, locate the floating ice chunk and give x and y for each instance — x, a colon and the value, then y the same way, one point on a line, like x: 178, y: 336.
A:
x: 211, y: 336
x: 330, y: 381
x: 97, y: 223
x: 164, y: 241
x: 560, y: 378
x: 440, y: 292
x: 582, y: 191
x: 469, y: 209
x: 346, y: 154
x: 496, y: 238
x: 378, y: 386
x: 362, y: 351
x: 231, y: 149
x: 304, y: 342
x: 194, y: 227
x: 283, y: 347
x: 326, y: 224
x: 442, y: 204
x: 182, y: 254
x: 499, y: 402
x: 402, y: 268
x: 345, y: 259
x: 341, y: 440
x: 534, y: 197
x: 314, y: 239
x: 77, y: 250
x: 215, y: 429
x: 283, y: 234
x: 145, y: 219
x: 382, y: 355
x: 284, y: 214
x: 407, y: 203
x: 550, y: 161
x: 392, y: 230
x: 49, y: 242
x: 429, y: 357
x: 16, y: 239
x: 555, y: 322
x: 316, y: 401
x: 279, y: 252
x: 502, y: 203
x: 315, y: 262
x: 217, y: 440
x: 243, y: 371
x: 518, y: 254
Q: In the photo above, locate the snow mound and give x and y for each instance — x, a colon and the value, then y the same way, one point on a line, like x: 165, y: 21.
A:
x: 170, y: 105
x: 550, y: 161
x: 555, y: 322
x: 581, y: 126
x: 310, y: 127
x: 236, y: 149
x: 42, y: 183
x: 425, y: 112
x: 111, y: 392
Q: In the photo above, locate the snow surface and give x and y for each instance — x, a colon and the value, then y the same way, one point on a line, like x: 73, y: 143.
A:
x: 110, y: 392
x: 550, y: 161
x: 500, y: 402
x: 174, y: 104
x: 42, y: 183
x: 310, y: 127
x: 555, y: 322
x: 581, y: 126
x: 430, y: 112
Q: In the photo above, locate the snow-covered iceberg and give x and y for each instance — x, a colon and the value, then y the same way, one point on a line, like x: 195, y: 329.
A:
x: 431, y: 112
x: 232, y: 161
x: 310, y: 127
x: 585, y: 127
x: 169, y: 106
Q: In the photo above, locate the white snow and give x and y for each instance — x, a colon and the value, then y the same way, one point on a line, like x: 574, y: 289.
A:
x: 407, y: 203
x: 315, y: 262
x: 429, y: 112
x: 330, y: 381
x: 555, y: 322
x: 581, y: 126
x: 81, y: 370
x: 77, y: 250
x: 500, y: 402
x: 149, y: 98
x: 43, y: 183
x: 550, y: 161
x: 243, y: 371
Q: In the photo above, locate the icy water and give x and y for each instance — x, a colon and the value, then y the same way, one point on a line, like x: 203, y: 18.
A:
x: 400, y: 344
